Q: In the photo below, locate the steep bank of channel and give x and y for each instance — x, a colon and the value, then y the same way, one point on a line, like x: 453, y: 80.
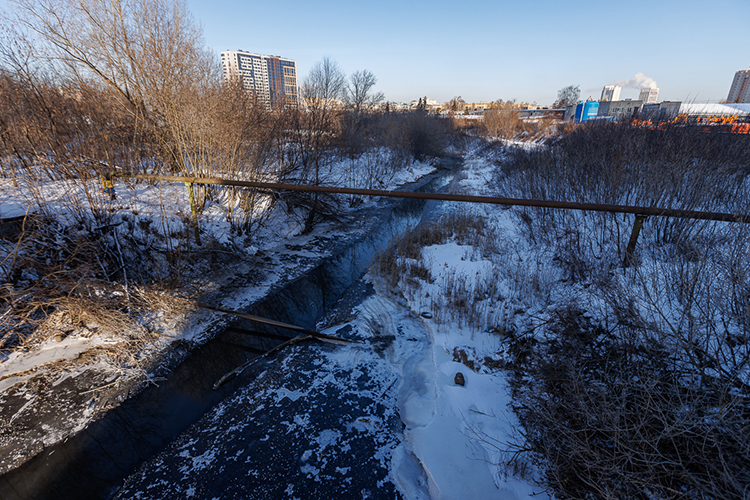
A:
x: 93, y: 463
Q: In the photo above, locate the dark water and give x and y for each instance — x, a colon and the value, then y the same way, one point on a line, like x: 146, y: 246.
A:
x: 304, y: 427
x: 94, y: 463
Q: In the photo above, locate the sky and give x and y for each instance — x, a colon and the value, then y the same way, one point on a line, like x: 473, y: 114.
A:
x: 481, y: 50
x: 484, y: 50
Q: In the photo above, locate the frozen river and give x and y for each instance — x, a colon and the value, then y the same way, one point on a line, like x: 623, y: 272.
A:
x: 318, y: 421
x: 383, y: 418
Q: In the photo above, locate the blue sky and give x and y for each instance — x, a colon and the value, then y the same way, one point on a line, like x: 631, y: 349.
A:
x: 485, y: 50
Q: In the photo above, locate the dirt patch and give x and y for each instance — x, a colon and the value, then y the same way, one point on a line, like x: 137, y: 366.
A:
x: 468, y: 357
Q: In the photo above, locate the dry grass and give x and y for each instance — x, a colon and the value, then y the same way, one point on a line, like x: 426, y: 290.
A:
x: 58, y: 281
x: 653, y: 402
x: 613, y: 416
x: 474, y: 302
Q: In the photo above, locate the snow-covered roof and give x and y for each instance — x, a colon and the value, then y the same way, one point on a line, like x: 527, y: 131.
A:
x: 744, y: 107
x: 714, y: 109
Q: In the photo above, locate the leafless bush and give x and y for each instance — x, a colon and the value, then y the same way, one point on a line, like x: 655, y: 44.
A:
x: 680, y: 167
x: 652, y: 402
x: 42, y: 263
x: 107, y: 276
x: 417, y: 135
x: 502, y: 120
x: 469, y: 301
x: 613, y: 414
x: 372, y: 169
x: 64, y: 126
x: 146, y: 98
x: 425, y: 135
x: 677, y: 167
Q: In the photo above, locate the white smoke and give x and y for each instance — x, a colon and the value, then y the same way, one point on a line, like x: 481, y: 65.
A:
x: 639, y: 81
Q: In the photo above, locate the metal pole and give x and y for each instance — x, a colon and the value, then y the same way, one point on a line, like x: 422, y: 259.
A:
x: 594, y: 207
x: 630, y: 251
x: 312, y: 333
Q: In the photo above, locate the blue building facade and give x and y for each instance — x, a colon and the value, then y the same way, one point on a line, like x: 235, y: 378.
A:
x: 586, y: 110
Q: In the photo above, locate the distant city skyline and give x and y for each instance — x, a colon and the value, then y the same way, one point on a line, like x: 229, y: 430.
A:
x: 485, y: 50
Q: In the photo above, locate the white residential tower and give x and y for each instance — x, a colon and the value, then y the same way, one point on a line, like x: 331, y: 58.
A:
x: 740, y: 90
x: 649, y: 96
x: 611, y: 93
x: 273, y: 79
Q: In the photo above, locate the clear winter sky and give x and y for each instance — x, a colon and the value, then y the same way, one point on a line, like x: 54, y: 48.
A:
x: 486, y: 50
x: 503, y: 49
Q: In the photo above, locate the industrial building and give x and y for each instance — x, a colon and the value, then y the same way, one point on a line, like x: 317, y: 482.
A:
x: 585, y: 110
x: 273, y: 79
x: 732, y: 116
x: 661, y: 111
x: 695, y: 111
x: 621, y: 109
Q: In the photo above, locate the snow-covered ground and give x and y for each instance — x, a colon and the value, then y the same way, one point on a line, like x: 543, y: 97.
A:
x: 459, y: 432
x: 462, y: 434
x: 420, y: 406
x: 84, y: 369
x: 451, y: 312
x: 162, y: 206
x: 431, y: 408
x: 357, y: 421
x: 391, y: 411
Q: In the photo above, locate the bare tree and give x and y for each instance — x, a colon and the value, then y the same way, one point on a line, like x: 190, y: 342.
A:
x: 322, y: 90
x: 456, y: 104
x: 502, y: 119
x: 148, y: 51
x: 358, y: 95
x: 113, y: 40
x: 567, y: 95
x: 360, y: 102
x: 324, y: 87
x: 125, y: 74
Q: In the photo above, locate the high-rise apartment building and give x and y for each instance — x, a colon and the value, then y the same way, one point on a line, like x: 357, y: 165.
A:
x: 648, y: 96
x: 273, y: 79
x: 740, y: 90
x: 611, y: 93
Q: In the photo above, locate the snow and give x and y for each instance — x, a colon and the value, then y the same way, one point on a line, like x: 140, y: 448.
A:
x: 454, y: 436
x: 452, y: 432
x: 461, y: 428
x: 319, y: 408
x: 457, y: 433
x: 378, y: 168
x: 20, y: 366
x: 151, y: 211
x: 728, y: 109
x: 145, y: 202
x: 331, y: 403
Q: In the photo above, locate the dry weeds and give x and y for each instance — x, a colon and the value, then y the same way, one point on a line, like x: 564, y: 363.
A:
x: 654, y: 405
